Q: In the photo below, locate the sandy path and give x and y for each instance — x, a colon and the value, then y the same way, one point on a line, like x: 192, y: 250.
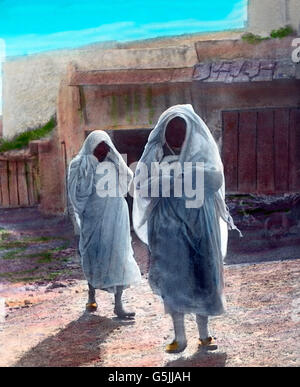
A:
x: 47, y: 327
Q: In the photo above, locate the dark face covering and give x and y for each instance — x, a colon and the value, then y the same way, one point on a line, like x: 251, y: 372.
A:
x: 101, y: 151
x: 175, y: 133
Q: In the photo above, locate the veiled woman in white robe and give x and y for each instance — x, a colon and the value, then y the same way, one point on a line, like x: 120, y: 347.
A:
x: 187, y: 245
x: 102, y: 216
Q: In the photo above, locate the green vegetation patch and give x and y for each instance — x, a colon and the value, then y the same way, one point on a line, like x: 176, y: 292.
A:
x: 22, y: 140
x: 13, y: 254
x: 4, y: 234
x: 280, y: 33
x: 252, y: 38
x: 32, y: 275
x: 4, y: 245
x: 21, y: 249
x: 17, y: 247
x: 27, y: 241
x: 21, y: 274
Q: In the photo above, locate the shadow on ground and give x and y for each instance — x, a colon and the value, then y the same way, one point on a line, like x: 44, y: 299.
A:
x: 76, y: 345
x: 202, y: 358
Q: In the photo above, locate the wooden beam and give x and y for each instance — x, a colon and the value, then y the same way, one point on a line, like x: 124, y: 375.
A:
x: 131, y: 77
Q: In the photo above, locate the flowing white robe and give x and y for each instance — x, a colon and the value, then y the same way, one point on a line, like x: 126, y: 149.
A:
x: 105, y: 242
x: 187, y: 245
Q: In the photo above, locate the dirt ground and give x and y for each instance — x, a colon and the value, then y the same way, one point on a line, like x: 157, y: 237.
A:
x: 43, y: 321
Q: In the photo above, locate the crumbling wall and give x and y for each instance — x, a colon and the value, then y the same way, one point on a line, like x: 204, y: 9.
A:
x: 31, y: 84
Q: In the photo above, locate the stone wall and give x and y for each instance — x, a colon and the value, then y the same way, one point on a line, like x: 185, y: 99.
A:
x: 267, y: 15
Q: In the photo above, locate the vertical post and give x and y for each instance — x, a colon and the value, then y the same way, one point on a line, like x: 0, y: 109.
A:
x: 13, y: 184
x: 4, y: 183
x: 22, y: 184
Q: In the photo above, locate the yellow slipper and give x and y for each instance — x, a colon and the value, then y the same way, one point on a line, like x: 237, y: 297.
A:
x: 175, y: 347
x: 91, y: 306
x: 209, y: 343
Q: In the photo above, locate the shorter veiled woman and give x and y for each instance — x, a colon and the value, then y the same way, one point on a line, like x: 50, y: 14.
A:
x: 98, y: 180
x: 186, y: 235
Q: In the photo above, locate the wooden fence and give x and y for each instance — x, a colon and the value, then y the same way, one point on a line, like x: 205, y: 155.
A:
x: 19, y: 182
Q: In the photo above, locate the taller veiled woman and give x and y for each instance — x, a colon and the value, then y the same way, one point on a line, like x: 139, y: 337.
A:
x: 98, y: 179
x: 186, y: 236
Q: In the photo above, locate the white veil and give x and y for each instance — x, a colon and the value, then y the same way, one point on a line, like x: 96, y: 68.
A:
x: 83, y: 167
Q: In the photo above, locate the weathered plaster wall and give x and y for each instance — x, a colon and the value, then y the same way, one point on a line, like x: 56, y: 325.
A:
x: 110, y: 104
x: 31, y: 84
x: 123, y: 107
x: 267, y: 15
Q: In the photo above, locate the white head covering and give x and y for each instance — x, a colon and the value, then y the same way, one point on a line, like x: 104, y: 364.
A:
x: 83, y: 167
x: 199, y: 146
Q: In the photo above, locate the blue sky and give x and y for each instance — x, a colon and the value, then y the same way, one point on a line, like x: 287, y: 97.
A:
x: 31, y: 26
